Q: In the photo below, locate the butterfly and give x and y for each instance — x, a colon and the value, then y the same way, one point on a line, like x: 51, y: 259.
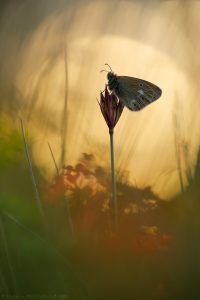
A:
x: 134, y: 93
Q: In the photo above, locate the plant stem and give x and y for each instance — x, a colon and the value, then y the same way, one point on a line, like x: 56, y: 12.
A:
x: 70, y: 221
x: 64, y: 124
x: 37, y: 195
x: 54, y: 160
x: 114, y: 193
x: 65, y: 198
x: 7, y: 252
x: 64, y: 120
x: 177, y: 133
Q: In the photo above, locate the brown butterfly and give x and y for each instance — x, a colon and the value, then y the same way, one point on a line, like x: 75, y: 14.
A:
x: 134, y: 93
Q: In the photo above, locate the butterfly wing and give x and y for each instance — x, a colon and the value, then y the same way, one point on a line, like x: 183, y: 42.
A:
x: 136, y: 93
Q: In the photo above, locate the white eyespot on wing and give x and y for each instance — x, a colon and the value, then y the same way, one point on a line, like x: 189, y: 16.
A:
x: 141, y: 92
x: 133, y: 101
x: 137, y: 93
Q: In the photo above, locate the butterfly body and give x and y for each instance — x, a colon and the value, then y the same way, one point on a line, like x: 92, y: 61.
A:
x: 134, y: 93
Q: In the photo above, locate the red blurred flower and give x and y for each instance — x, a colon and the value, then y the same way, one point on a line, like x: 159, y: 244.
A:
x: 111, y: 108
x: 165, y: 240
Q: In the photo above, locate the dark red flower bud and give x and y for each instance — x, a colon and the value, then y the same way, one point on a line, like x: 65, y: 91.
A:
x: 111, y: 108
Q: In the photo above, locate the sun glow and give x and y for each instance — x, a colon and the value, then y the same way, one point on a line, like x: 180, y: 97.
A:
x: 144, y: 141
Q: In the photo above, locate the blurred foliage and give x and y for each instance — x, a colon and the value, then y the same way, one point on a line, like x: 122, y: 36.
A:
x: 76, y: 254
x: 30, y: 263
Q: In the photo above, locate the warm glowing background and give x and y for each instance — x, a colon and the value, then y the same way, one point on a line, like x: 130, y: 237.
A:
x: 56, y: 234
x: 54, y: 57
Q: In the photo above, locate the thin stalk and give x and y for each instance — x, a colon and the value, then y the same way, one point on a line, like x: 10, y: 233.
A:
x: 37, y: 195
x: 71, y: 225
x: 21, y: 225
x: 54, y: 160
x: 3, y: 285
x: 65, y: 111
x: 64, y: 124
x: 114, y: 190
x: 66, y: 199
x: 7, y: 253
x: 178, y: 152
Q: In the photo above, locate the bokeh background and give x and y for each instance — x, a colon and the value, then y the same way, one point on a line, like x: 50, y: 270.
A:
x: 56, y: 231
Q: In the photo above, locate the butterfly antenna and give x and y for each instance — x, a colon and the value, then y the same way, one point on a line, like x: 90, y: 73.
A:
x: 104, y: 71
x: 109, y: 67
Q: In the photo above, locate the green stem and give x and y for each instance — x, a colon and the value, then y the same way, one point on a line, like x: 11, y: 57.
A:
x: 54, y: 160
x: 70, y: 221
x: 37, y: 195
x: 114, y: 193
x: 7, y: 252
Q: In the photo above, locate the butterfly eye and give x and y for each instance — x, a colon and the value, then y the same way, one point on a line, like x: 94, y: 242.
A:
x: 140, y: 84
